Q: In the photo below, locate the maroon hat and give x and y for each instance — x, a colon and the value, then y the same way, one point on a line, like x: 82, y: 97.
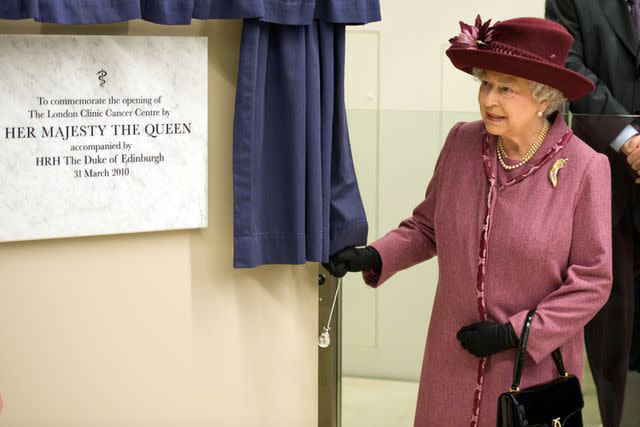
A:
x: 531, y: 48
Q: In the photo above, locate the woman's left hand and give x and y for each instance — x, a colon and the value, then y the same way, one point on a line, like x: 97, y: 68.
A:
x: 486, y: 338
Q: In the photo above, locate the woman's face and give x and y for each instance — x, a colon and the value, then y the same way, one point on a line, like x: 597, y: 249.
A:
x: 508, y: 109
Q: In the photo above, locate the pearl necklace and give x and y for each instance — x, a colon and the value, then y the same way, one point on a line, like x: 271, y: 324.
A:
x: 528, y: 155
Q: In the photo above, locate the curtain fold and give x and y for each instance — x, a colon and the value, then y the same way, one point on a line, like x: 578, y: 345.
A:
x: 296, y: 197
x: 287, y: 12
x: 18, y: 9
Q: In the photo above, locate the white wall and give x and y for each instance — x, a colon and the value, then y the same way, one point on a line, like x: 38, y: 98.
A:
x: 413, y: 35
x: 157, y: 329
x: 403, y: 95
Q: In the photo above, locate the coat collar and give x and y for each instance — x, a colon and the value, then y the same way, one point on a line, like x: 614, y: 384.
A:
x: 558, y: 136
x: 617, y: 13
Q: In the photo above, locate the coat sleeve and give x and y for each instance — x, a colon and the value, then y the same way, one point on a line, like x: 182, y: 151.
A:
x: 600, y: 101
x: 414, y: 240
x: 565, y: 311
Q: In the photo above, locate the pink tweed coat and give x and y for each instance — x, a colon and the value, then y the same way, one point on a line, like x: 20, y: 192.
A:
x: 507, y: 242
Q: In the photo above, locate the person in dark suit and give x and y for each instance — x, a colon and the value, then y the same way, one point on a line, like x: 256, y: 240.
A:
x: 606, y: 50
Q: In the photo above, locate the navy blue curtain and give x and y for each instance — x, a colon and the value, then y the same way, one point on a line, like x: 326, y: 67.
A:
x: 296, y: 198
x: 290, y: 12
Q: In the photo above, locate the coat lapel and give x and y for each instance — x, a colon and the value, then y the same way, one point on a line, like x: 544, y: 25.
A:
x: 617, y: 14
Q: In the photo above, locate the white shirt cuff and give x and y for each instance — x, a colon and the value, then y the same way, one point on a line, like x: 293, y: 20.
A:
x: 622, y: 137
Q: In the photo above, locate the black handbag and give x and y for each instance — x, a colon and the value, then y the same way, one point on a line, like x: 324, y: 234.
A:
x: 557, y: 403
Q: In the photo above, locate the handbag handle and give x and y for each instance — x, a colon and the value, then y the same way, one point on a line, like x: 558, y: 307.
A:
x: 522, y: 347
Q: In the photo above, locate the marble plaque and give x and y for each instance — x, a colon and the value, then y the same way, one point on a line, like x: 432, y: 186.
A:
x: 102, y: 135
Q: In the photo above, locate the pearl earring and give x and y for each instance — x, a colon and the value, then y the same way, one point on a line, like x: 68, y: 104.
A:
x: 539, y: 113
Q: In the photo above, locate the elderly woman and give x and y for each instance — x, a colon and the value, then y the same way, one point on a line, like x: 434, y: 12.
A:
x: 518, y: 213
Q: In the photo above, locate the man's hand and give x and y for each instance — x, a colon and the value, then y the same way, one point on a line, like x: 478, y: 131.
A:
x: 631, y: 149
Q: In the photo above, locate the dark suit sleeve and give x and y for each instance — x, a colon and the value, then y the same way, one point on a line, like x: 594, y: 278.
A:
x: 600, y: 101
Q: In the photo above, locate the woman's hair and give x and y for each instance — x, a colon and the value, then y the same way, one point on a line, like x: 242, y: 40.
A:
x: 540, y: 92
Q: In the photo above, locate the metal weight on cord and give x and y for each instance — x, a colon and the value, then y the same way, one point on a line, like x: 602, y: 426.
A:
x: 324, y: 340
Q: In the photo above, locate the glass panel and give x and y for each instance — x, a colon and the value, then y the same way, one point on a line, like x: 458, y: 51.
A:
x: 383, y: 331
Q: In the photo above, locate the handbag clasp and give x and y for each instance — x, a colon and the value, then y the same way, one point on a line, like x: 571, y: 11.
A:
x: 556, y: 423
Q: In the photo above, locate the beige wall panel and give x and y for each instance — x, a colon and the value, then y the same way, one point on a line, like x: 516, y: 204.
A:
x: 158, y: 329
x: 360, y: 314
x: 459, y: 91
x: 362, y: 68
x: 409, y: 144
x: 360, y: 304
x: 255, y: 331
x: 411, y: 36
x: 96, y: 331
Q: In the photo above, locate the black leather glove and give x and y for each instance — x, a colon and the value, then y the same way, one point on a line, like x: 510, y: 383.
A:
x: 353, y: 259
x: 486, y: 338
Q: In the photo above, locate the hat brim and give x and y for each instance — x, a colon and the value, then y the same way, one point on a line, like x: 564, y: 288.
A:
x: 572, y: 85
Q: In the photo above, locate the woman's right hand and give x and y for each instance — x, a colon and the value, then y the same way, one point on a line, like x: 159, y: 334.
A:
x: 353, y: 259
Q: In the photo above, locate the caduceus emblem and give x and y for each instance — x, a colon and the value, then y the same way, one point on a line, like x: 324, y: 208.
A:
x: 101, y: 75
